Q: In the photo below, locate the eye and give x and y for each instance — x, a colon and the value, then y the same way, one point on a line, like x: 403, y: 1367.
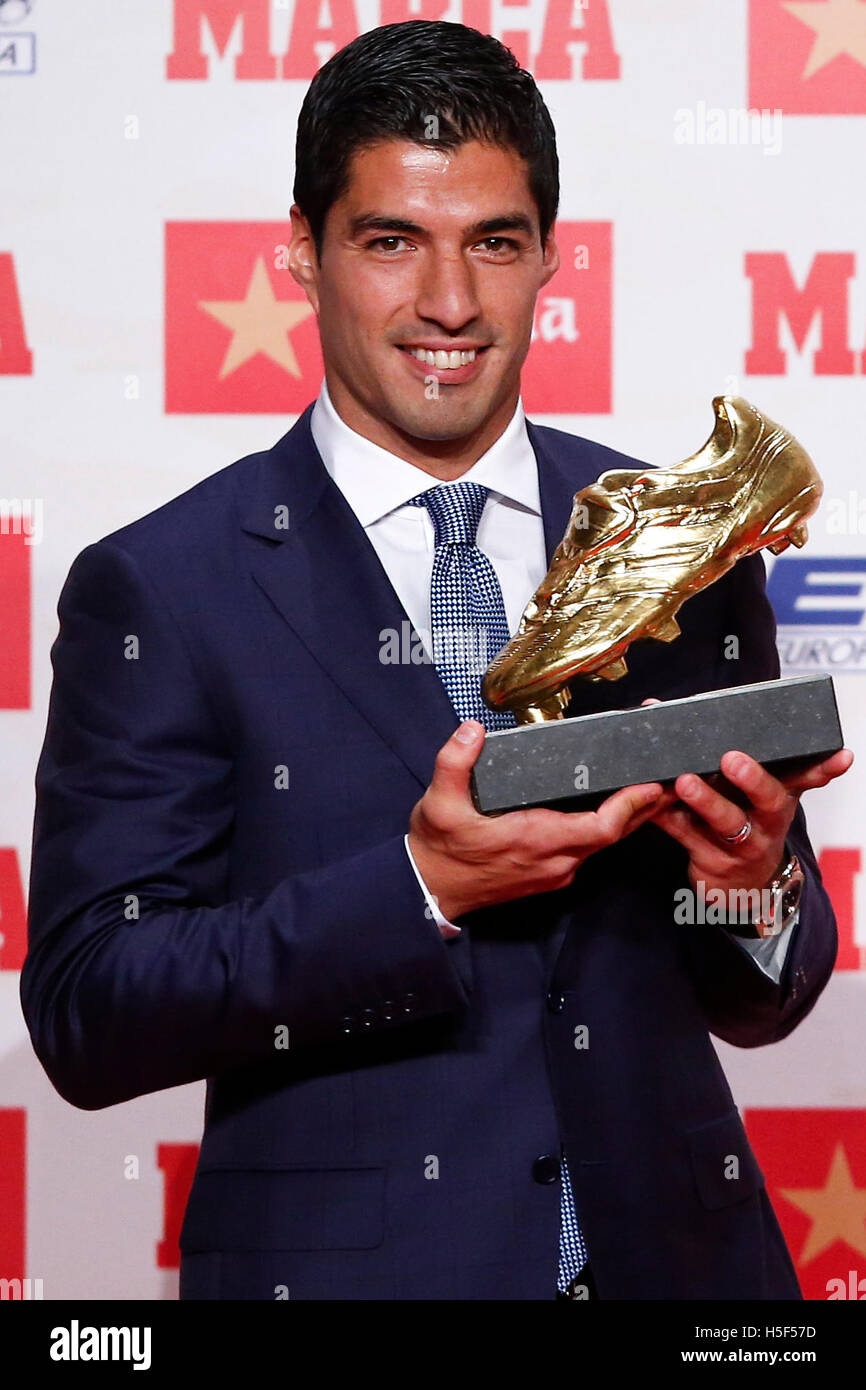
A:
x: 500, y: 245
x: 386, y: 243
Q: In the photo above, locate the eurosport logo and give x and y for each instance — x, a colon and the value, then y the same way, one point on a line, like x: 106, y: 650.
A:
x: 820, y: 607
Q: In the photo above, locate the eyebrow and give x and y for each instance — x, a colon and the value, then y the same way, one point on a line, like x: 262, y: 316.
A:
x: 490, y: 226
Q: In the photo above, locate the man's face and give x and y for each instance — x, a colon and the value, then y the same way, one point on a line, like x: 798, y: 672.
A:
x: 427, y: 251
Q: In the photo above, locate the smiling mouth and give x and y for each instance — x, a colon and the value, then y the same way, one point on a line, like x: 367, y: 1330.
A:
x: 444, y: 361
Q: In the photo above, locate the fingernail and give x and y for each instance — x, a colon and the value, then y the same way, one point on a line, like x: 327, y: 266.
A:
x: 466, y: 733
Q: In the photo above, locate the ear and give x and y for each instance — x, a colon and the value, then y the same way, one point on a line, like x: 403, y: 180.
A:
x: 550, y: 264
x: 303, y: 262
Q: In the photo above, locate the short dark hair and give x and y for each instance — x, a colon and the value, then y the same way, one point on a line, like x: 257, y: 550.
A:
x: 389, y: 82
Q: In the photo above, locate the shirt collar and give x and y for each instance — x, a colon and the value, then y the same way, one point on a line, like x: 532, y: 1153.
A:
x: 375, y: 481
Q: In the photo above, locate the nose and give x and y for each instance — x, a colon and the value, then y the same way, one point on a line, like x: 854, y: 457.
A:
x: 447, y: 293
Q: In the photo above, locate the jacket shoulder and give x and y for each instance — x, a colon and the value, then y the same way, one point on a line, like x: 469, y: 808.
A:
x: 206, y: 508
x: 567, y: 448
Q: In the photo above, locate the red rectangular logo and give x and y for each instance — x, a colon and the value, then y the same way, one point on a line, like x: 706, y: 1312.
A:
x: 808, y: 57
x: 240, y: 334
x: 815, y: 1165
x: 13, y: 1196
x: 568, y: 369
x: 14, y: 612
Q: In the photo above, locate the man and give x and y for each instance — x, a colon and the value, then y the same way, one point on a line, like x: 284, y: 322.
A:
x: 447, y: 1056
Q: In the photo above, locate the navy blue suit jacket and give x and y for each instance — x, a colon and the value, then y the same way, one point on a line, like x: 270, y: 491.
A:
x: 389, y: 1152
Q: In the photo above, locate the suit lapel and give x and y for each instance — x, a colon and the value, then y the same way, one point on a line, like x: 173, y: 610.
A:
x: 325, y: 578
x: 557, y: 485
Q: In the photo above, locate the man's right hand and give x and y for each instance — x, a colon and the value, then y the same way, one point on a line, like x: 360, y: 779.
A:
x: 469, y: 861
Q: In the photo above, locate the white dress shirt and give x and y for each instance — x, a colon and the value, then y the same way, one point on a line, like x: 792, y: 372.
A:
x: 378, y: 485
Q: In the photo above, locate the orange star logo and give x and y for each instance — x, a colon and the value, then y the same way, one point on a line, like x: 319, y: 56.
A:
x: 259, y: 323
x: 839, y: 27
x: 837, y: 1210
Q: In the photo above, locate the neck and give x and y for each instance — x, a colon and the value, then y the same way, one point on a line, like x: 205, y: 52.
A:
x: 444, y: 459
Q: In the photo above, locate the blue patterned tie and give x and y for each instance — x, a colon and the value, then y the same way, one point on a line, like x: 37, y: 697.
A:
x: 468, y: 628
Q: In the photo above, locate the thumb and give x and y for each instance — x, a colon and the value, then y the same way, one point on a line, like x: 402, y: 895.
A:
x: 456, y: 758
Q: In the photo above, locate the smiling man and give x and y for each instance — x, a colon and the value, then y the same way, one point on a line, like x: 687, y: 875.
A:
x: 447, y: 1056
x: 428, y: 279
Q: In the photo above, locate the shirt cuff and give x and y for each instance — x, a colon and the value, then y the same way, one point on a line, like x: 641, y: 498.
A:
x: 446, y: 928
x: 769, y: 952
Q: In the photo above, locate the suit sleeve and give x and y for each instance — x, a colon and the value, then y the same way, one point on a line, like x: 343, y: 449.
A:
x: 743, y: 1004
x: 139, y: 974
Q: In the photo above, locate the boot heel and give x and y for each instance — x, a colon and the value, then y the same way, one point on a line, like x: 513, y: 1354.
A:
x: 798, y: 536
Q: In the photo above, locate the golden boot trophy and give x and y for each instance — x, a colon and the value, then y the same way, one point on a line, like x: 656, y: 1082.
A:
x: 639, y: 543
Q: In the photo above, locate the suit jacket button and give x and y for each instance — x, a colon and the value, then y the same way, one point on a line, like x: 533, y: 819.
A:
x: 367, y: 1018
x: 546, y: 1168
x: 556, y: 1003
x: 388, y: 1011
x: 409, y: 1001
x: 349, y: 1022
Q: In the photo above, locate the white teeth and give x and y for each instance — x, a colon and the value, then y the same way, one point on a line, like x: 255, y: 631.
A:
x: 447, y: 361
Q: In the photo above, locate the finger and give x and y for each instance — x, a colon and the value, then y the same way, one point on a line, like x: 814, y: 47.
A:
x: 649, y: 812
x: 722, y: 816
x: 615, y: 814
x: 570, y: 831
x: 678, y: 822
x: 455, y: 760
x: 567, y: 831
x: 767, y: 794
x: 642, y: 817
x: 651, y: 701
x: 819, y: 774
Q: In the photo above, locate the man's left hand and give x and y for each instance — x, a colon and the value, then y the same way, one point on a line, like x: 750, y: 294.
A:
x: 703, y: 818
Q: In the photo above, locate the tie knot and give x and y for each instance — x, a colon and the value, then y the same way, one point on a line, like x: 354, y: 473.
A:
x: 455, y: 509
